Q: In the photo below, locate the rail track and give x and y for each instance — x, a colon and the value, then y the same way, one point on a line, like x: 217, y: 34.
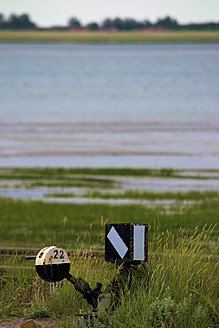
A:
x: 30, y: 254
x: 25, y: 251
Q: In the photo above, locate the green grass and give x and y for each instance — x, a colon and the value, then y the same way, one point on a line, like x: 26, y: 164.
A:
x: 106, y: 37
x: 80, y: 183
x: 60, y: 194
x: 192, y: 195
x: 36, y: 224
x: 64, y: 173
x: 90, y: 177
x: 179, y: 289
x: 33, y: 178
x: 135, y: 194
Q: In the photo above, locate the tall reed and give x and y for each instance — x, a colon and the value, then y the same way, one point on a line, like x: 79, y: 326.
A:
x: 178, y: 287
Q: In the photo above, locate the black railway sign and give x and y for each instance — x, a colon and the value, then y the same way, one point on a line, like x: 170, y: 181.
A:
x: 126, y: 242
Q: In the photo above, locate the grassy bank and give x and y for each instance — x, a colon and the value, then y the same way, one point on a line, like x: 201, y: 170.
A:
x: 168, y: 291
x: 106, y: 37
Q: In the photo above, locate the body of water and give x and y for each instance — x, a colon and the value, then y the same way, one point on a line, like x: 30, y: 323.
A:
x: 152, y: 105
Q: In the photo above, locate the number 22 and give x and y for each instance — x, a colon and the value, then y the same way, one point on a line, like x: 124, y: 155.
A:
x: 61, y: 256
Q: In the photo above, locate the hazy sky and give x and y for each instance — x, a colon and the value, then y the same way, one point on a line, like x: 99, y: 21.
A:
x: 57, y: 12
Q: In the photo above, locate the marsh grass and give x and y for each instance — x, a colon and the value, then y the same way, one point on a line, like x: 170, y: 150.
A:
x: 60, y: 194
x: 93, y: 178
x: 53, y: 178
x: 106, y: 37
x: 179, y: 289
x: 192, y: 195
x: 31, y: 223
x: 86, y: 173
x: 136, y: 194
x: 71, y: 183
x: 23, y: 292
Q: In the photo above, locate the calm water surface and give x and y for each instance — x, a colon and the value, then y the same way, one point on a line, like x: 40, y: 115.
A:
x: 117, y: 105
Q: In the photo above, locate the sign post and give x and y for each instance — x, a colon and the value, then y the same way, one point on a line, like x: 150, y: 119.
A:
x: 126, y: 243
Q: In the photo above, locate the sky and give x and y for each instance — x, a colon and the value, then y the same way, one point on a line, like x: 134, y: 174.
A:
x: 57, y: 12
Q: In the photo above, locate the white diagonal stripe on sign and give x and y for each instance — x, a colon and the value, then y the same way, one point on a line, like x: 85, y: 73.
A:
x: 117, y: 242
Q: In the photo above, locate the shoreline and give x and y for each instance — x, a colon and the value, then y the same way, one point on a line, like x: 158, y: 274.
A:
x: 108, y: 186
x: 93, y: 37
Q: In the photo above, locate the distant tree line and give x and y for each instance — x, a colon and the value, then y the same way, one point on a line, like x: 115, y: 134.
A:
x: 125, y: 24
x: 128, y: 24
x: 16, y: 22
